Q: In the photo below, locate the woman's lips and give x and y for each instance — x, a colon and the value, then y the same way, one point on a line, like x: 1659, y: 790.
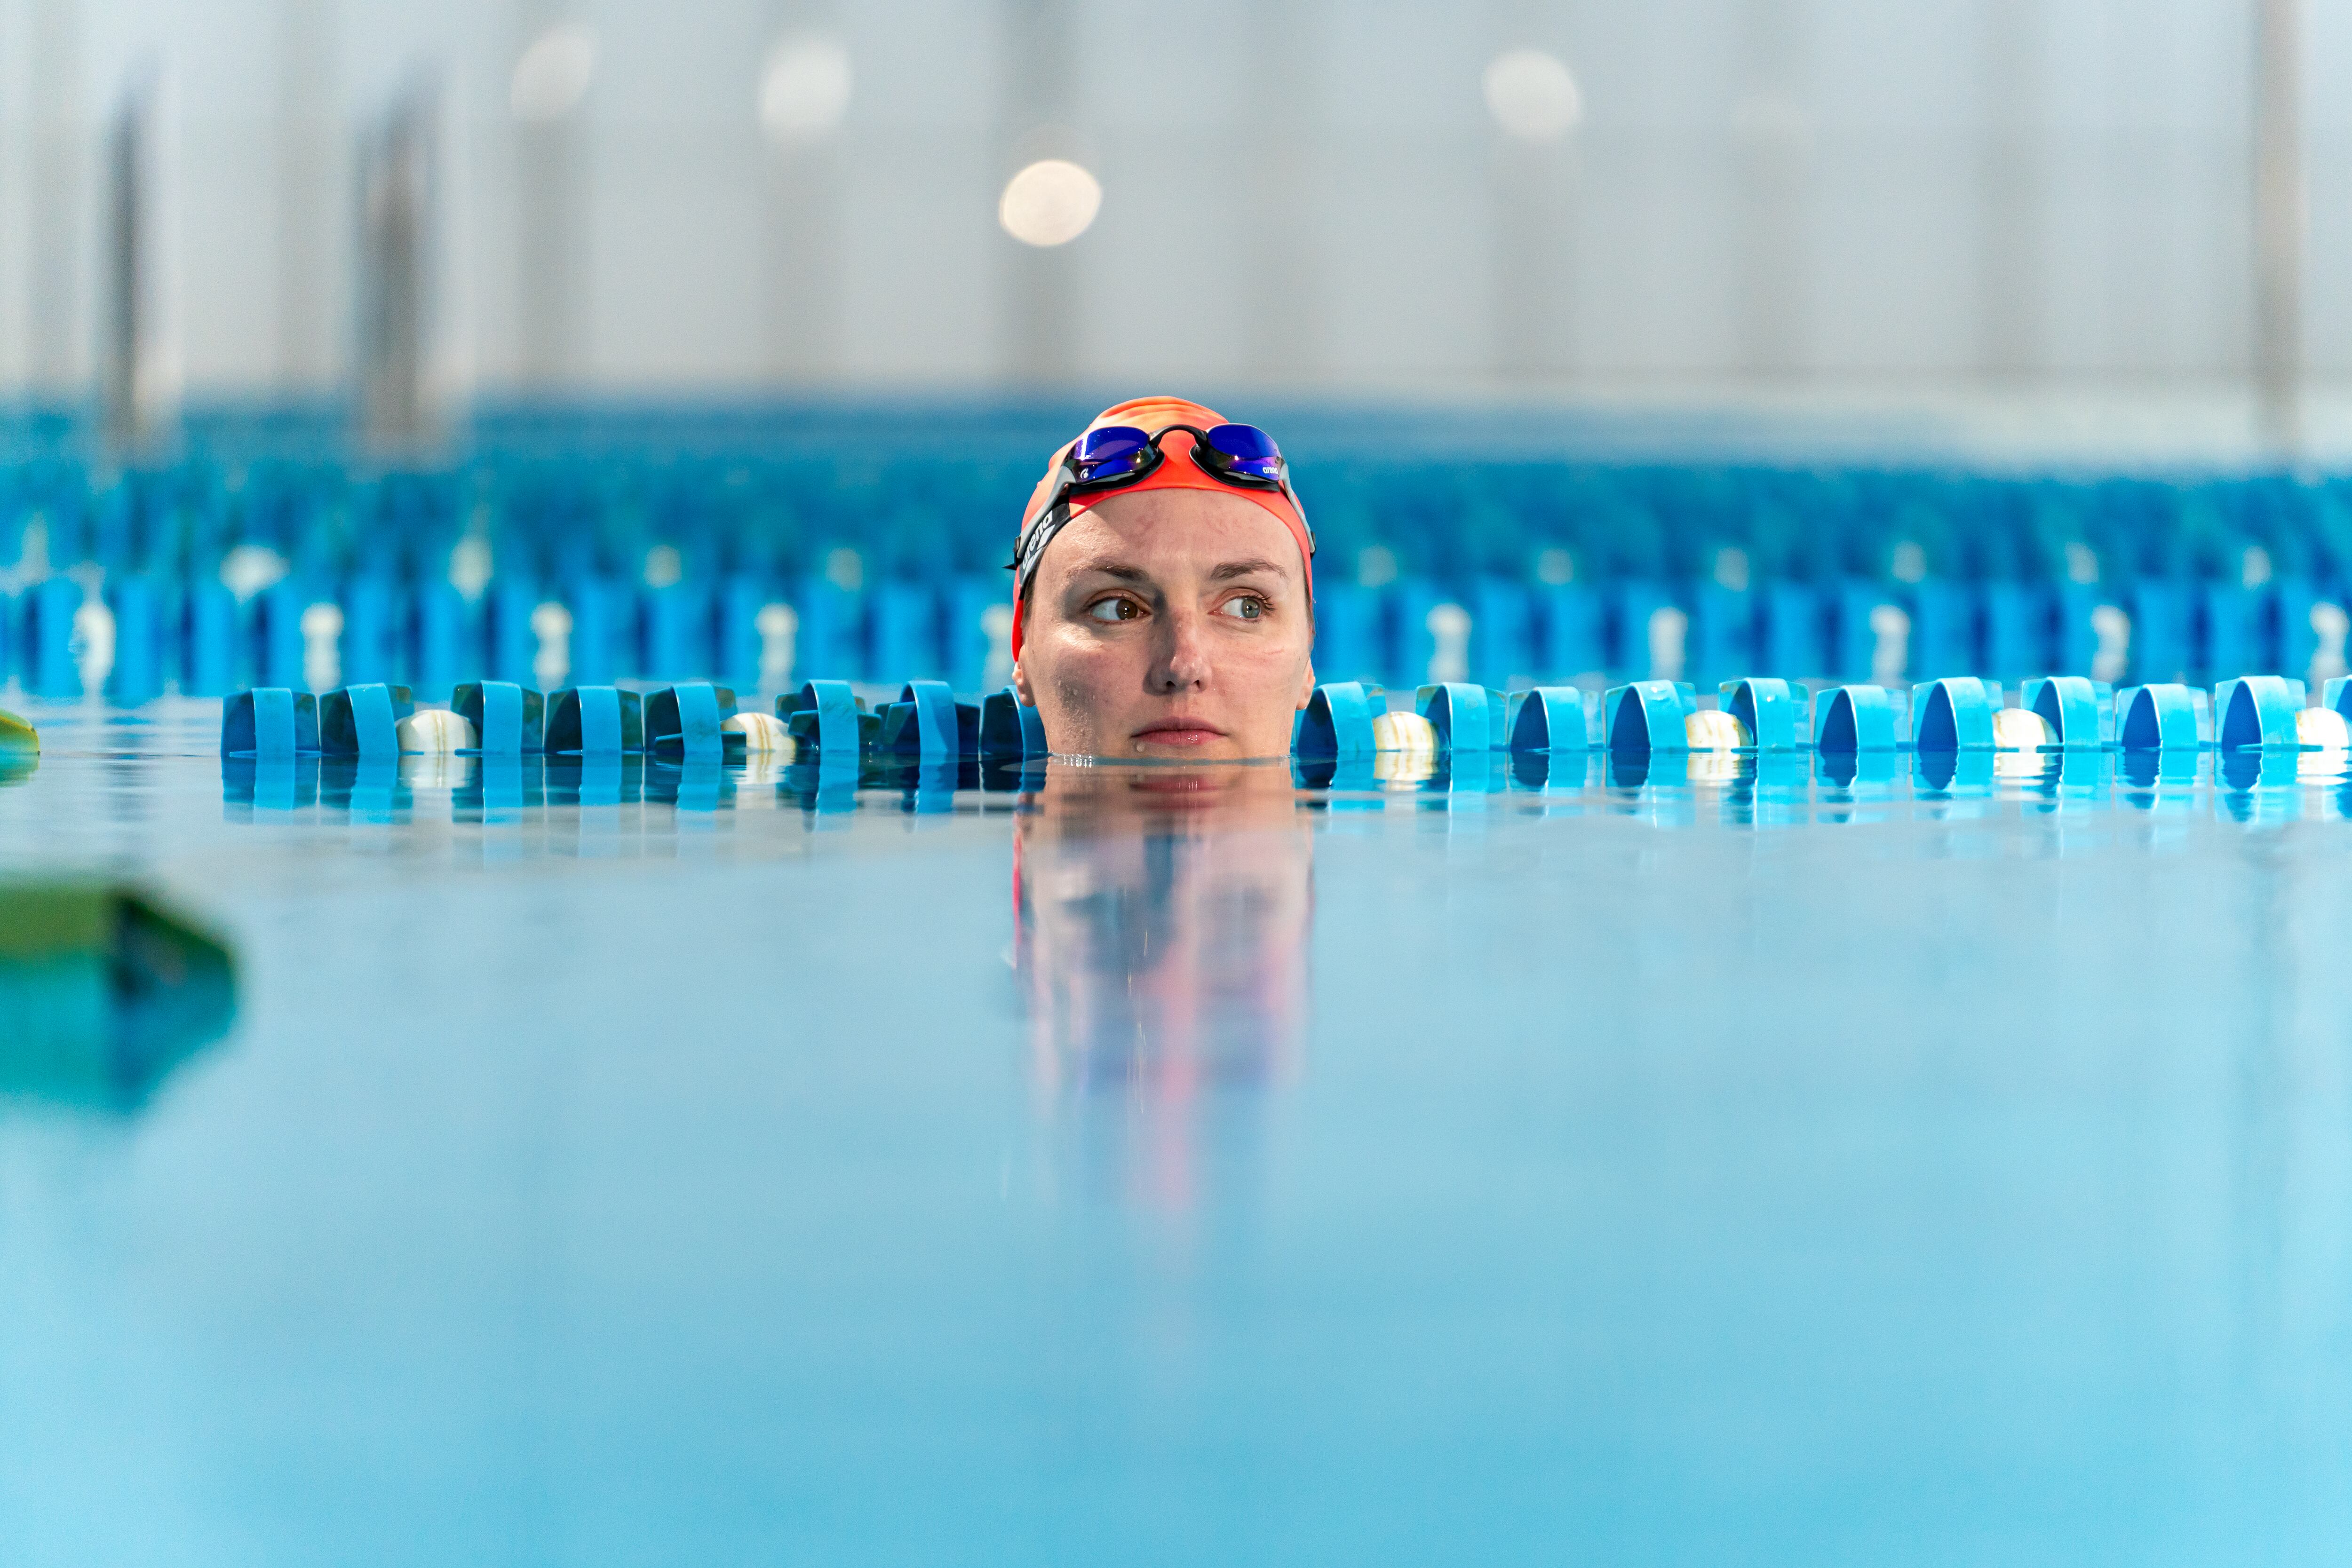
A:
x: 1180, y: 731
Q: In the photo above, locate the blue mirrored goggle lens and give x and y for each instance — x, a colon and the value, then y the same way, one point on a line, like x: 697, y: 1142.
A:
x: 1112, y: 450
x: 1247, y: 449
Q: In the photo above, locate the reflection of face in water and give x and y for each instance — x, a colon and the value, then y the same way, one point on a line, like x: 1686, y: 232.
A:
x: 1162, y: 917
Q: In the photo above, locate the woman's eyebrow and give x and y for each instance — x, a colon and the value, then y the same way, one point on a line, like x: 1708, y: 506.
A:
x: 1119, y: 570
x: 1245, y: 568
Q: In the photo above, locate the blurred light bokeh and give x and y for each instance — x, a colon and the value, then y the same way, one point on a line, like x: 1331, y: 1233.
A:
x: 1387, y: 197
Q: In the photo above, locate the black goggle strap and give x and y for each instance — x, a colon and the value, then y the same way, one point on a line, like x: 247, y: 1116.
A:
x: 1300, y: 507
x: 1051, y: 520
x: 1025, y: 555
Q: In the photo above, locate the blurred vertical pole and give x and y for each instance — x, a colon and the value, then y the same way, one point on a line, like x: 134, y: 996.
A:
x: 1532, y: 299
x: 122, y: 314
x: 551, y: 177
x: 306, y: 139
x: 137, y: 376
x: 2013, y: 258
x: 2278, y: 219
x: 803, y: 278
x: 1277, y: 161
x: 1773, y: 135
x: 53, y: 293
x: 399, y: 189
x: 1039, y: 308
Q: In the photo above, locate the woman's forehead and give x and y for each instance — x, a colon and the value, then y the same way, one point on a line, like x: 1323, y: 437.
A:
x: 1173, y: 531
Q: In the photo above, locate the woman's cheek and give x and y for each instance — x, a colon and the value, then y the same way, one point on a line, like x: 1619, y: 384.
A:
x: 1082, y: 687
x: 1095, y: 663
x: 1273, y: 660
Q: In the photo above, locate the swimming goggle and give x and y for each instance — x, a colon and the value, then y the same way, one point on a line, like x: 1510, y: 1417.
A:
x: 1115, y: 455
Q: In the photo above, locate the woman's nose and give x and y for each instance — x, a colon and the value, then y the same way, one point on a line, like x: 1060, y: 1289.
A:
x: 1183, y: 662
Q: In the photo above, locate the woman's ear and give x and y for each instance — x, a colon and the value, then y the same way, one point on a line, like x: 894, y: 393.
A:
x: 1021, y: 686
x: 1306, y: 691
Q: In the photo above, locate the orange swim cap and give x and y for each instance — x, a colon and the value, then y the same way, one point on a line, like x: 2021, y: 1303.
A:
x: 1151, y: 415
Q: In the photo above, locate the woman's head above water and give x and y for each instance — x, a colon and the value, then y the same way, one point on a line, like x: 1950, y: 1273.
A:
x: 1171, y: 617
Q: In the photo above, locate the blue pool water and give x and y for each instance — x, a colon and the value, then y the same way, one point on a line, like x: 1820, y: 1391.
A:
x: 1805, y: 1168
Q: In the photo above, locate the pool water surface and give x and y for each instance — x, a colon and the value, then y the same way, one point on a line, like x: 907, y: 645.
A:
x: 1818, y: 1163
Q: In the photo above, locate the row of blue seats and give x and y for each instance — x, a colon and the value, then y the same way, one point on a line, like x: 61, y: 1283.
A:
x: 1514, y: 631
x: 1458, y: 523
x: 204, y: 640
x: 915, y: 490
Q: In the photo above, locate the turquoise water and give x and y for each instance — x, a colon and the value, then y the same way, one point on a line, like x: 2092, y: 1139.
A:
x: 1796, y: 1169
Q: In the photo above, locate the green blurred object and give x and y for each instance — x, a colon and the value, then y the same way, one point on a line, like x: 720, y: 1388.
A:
x: 20, y: 749
x: 103, y: 991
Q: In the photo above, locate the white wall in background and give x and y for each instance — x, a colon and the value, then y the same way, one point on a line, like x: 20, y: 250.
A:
x: 1299, y: 191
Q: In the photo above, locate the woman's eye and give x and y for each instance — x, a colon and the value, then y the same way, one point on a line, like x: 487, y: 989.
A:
x: 1107, y: 611
x: 1248, y: 607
